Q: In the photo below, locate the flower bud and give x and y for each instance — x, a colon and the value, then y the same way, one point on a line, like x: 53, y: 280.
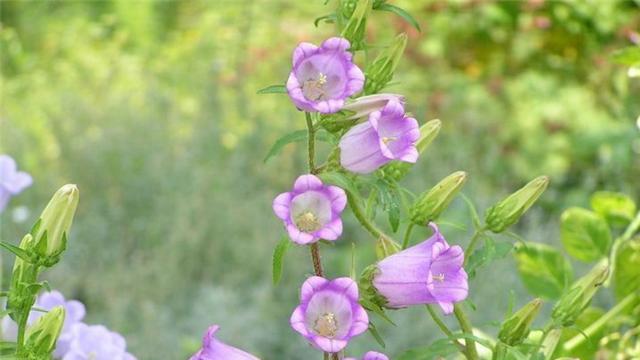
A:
x: 365, y: 105
x: 508, y: 211
x: 55, y: 222
x: 42, y: 336
x: 432, y: 203
x: 515, y: 329
x: 381, y: 70
x: 354, y: 29
x: 20, y: 298
x: 386, y: 247
x: 397, y: 170
x: 573, y: 302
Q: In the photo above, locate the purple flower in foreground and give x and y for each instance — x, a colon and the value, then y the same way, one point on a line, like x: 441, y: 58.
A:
x: 428, y: 273
x: 387, y: 135
x: 96, y: 342
x: 329, y: 314
x: 372, y: 355
x: 214, y: 349
x: 311, y: 210
x: 74, y: 313
x: 12, y: 181
x: 323, y: 77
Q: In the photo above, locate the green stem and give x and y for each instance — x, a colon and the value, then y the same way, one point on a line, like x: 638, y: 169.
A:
x: 407, y: 235
x: 311, y: 143
x: 357, y: 211
x: 472, y: 244
x: 443, y: 327
x: 633, y: 227
x: 22, y: 327
x: 603, y: 320
x: 471, y: 351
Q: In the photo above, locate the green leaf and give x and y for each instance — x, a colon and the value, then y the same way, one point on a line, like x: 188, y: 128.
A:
x: 22, y: 254
x: 588, y: 348
x: 584, y: 234
x: 340, y: 180
x: 329, y: 19
x: 376, y: 335
x: 276, y: 148
x: 438, y: 349
x: 7, y: 348
x: 626, y: 276
x: 488, y: 253
x: 278, y: 258
x: 616, y: 208
x: 400, y: 12
x: 543, y: 269
x: 627, y: 56
x: 273, y: 89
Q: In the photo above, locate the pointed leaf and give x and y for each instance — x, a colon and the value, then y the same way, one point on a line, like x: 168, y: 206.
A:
x: 278, y: 258
x: 543, y: 269
x: 273, y: 89
x: 400, y: 12
x: 276, y: 148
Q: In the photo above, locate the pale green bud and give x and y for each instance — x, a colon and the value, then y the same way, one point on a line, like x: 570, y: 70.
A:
x: 399, y: 169
x: 365, y: 105
x: 433, y: 202
x: 508, y: 211
x: 42, y: 336
x: 573, y: 302
x: 356, y: 26
x: 515, y: 329
x: 20, y: 298
x: 380, y: 72
x: 53, y: 228
x: 386, y: 247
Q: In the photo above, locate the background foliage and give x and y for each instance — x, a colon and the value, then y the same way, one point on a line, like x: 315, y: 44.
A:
x: 151, y: 108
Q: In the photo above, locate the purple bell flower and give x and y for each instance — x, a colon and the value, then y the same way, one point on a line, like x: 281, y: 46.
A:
x: 323, y: 77
x: 311, y: 210
x: 387, y: 135
x: 214, y: 349
x: 12, y: 181
x: 428, y: 273
x: 371, y: 355
x: 96, y: 342
x: 329, y: 314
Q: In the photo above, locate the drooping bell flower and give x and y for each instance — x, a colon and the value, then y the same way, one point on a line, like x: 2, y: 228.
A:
x: 12, y: 181
x: 311, y: 210
x: 329, y: 314
x: 96, y: 342
x: 365, y: 105
x: 371, y: 355
x: 214, y: 349
x: 428, y: 273
x: 323, y: 77
x: 388, y: 134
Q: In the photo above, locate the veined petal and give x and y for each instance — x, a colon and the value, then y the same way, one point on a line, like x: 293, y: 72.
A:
x: 331, y: 231
x: 298, y: 236
x: 281, y: 206
x: 307, y: 182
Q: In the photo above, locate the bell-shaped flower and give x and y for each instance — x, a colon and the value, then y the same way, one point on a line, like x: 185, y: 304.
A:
x: 388, y: 134
x: 329, y: 314
x: 371, y: 355
x: 214, y: 349
x: 12, y: 181
x: 311, y: 210
x: 428, y: 273
x: 323, y: 77
x: 96, y: 342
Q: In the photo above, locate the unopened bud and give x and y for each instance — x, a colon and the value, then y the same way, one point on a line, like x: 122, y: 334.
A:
x: 42, y: 336
x: 365, y: 105
x: 356, y: 25
x: 433, y: 202
x: 573, y: 302
x: 20, y: 298
x: 386, y: 247
x: 396, y: 170
x: 515, y: 329
x: 54, y: 224
x: 508, y: 211
x: 381, y: 70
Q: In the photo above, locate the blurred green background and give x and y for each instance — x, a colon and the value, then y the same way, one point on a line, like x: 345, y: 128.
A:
x: 151, y: 108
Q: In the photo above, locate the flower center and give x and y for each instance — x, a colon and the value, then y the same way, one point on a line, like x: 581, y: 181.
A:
x: 313, y: 89
x: 388, y: 139
x: 307, y: 222
x: 326, y: 325
x: 438, y: 277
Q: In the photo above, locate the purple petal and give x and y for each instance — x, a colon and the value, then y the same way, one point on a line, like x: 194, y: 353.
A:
x: 310, y: 286
x: 303, y: 50
x: 297, y: 322
x: 373, y: 355
x: 329, y: 345
x: 300, y: 237
x: 331, y: 231
x: 360, y: 149
x: 346, y: 286
x: 281, y: 206
x: 336, y: 43
x: 307, y: 182
x: 338, y: 198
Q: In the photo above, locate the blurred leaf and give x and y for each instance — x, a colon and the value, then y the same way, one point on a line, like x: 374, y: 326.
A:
x: 616, y: 208
x: 588, y: 348
x: 21, y: 253
x: 278, y: 258
x: 340, y: 180
x: 488, y: 253
x: 273, y: 89
x: 376, y: 335
x: 584, y: 234
x: 437, y: 349
x: 329, y: 19
x: 628, y: 56
x: 400, y: 12
x: 626, y: 276
x: 543, y: 269
x: 276, y: 148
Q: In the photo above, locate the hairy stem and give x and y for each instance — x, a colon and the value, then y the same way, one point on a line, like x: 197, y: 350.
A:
x: 315, y: 258
x: 311, y: 144
x: 443, y: 327
x: 472, y: 244
x: 471, y: 352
